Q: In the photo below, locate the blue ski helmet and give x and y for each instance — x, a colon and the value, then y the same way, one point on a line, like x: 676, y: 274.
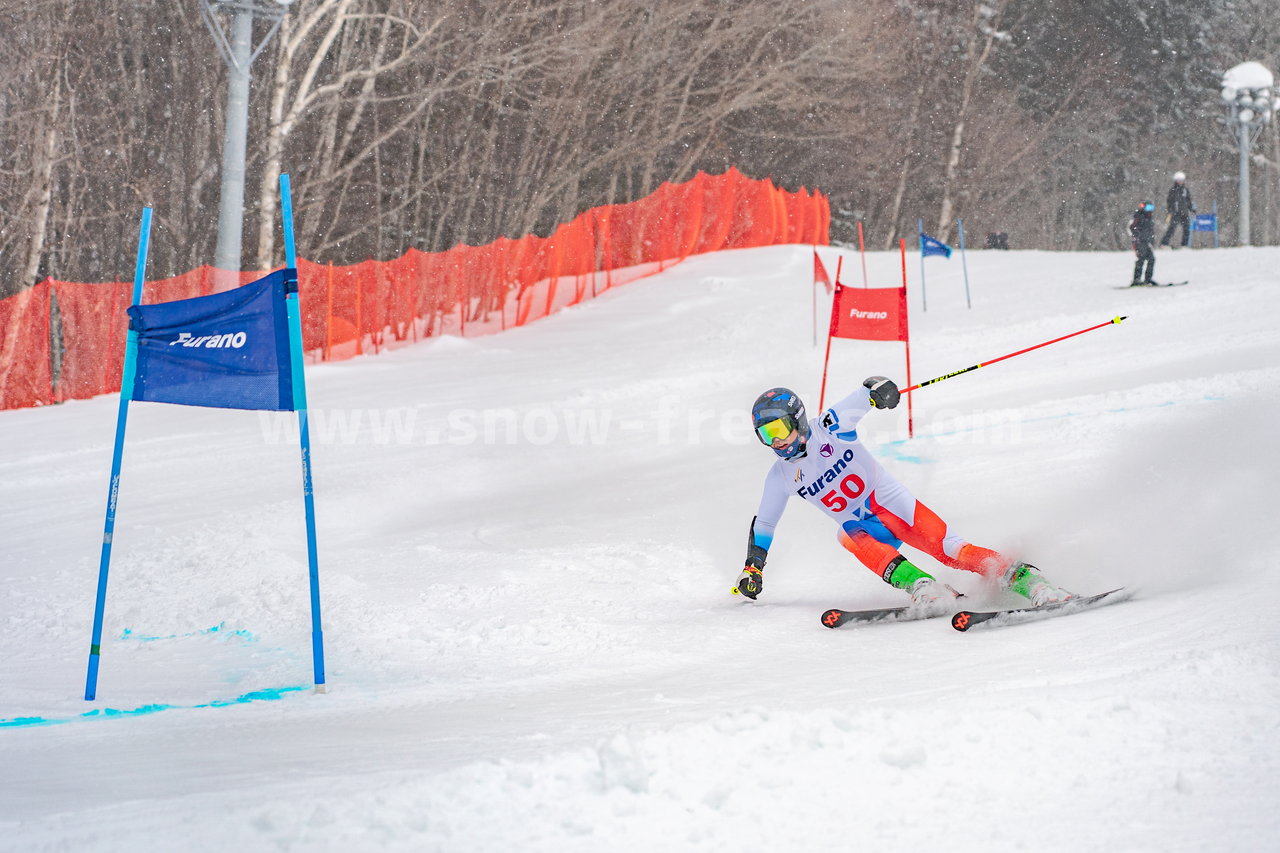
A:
x: 1149, y: 206
x: 777, y: 413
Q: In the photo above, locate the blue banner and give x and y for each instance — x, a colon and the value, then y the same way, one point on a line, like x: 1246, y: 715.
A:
x: 930, y: 246
x: 1205, y: 222
x: 226, y: 350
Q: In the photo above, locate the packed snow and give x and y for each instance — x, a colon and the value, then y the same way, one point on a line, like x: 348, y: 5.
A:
x: 527, y: 542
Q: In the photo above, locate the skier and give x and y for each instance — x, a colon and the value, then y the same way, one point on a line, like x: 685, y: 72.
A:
x: 826, y: 465
x: 1180, y: 208
x: 1142, y: 228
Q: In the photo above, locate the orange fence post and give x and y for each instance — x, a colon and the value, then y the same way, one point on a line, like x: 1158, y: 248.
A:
x: 328, y: 315
x: 48, y: 336
x: 359, y: 316
x: 608, y: 253
x: 462, y: 309
x: 662, y: 216
x: 375, y: 328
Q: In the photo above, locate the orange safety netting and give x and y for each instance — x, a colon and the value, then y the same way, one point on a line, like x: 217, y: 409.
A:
x: 466, y: 290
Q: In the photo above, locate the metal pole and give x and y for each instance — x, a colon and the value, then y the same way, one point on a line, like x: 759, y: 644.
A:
x: 862, y: 251
x: 1244, y: 182
x: 1268, y: 186
x: 924, y: 291
x: 235, y: 134
x: 906, y: 339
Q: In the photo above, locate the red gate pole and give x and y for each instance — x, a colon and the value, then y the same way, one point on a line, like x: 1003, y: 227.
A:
x: 835, y: 305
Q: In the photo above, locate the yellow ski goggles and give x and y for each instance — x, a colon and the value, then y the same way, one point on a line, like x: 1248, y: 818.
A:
x: 779, y: 428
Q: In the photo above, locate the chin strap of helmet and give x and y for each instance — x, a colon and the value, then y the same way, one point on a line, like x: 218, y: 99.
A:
x: 799, y: 449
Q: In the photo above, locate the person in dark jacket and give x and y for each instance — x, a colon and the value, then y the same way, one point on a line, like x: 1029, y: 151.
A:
x: 1142, y: 228
x: 1180, y: 208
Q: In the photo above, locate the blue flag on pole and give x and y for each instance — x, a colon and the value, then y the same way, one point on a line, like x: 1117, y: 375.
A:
x: 1205, y: 222
x: 236, y: 350
x: 930, y: 246
x: 226, y: 350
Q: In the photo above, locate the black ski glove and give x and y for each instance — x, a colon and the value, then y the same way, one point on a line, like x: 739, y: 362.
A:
x: 884, y: 394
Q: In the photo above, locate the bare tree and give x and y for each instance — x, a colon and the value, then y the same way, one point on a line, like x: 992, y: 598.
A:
x: 312, y: 72
x: 982, y: 36
x: 429, y: 123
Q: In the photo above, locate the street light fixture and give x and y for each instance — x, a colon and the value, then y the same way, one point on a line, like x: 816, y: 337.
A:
x: 1246, y: 90
x: 230, y: 22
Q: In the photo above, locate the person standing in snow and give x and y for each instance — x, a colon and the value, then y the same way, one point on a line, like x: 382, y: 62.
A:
x: 1180, y: 208
x: 1142, y: 228
x: 826, y: 465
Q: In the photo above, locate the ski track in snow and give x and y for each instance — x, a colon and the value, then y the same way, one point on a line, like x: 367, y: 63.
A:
x: 530, y: 641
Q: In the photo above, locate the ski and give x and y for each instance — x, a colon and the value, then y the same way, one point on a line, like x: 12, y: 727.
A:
x: 835, y: 618
x: 966, y: 619
x: 1156, y: 284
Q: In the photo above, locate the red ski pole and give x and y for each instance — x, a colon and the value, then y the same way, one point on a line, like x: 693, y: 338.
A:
x: 1112, y: 322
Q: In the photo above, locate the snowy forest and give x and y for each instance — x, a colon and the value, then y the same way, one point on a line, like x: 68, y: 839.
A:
x: 426, y: 123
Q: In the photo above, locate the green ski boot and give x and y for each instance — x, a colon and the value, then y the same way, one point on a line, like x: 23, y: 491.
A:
x: 1026, y: 580
x: 929, y: 596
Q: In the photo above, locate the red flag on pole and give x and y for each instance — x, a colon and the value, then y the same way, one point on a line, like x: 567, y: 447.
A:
x: 820, y: 272
x: 870, y: 314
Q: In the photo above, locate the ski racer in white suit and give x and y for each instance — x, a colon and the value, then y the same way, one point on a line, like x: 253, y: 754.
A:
x: 826, y: 465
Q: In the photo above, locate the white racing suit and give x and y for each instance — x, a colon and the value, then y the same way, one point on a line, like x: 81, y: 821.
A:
x: 875, y: 513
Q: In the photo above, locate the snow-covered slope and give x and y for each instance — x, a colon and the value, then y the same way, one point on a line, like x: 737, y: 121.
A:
x: 527, y: 545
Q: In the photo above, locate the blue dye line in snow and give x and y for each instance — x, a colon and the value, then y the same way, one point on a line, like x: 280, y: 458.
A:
x: 265, y: 695
x: 240, y: 633
x: 892, y: 449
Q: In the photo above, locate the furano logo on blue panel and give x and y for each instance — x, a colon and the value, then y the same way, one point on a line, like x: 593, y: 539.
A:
x: 235, y: 340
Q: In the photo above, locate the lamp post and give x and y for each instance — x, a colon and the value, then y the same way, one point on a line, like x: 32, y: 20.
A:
x: 230, y: 22
x: 1246, y: 90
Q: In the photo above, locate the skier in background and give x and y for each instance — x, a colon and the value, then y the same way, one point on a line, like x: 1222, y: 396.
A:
x: 1180, y: 208
x: 826, y: 465
x: 1142, y: 228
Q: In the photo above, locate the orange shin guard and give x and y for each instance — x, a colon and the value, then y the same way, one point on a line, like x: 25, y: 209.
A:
x: 982, y: 561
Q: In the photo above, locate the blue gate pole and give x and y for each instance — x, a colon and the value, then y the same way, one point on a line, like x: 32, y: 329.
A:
x: 294, y: 313
x: 924, y: 294
x: 113, y: 493
x: 963, y: 263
